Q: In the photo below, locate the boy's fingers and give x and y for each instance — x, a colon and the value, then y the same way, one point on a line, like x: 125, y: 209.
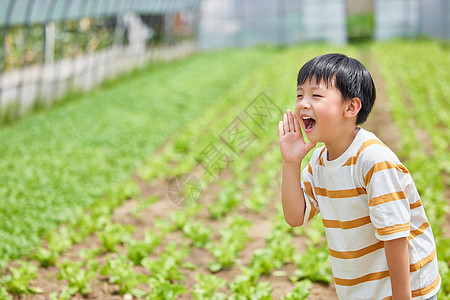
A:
x: 280, y: 129
x: 297, y: 124
x: 286, y: 123
x: 291, y: 121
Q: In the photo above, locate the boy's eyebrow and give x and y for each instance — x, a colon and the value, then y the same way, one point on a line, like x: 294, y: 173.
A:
x: 313, y: 88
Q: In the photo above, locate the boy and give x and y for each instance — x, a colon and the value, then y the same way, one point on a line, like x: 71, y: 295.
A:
x: 380, y: 242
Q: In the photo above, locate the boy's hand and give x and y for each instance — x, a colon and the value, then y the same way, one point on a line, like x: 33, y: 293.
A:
x: 292, y: 145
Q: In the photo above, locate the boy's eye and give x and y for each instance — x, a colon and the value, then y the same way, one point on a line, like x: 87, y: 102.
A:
x: 317, y: 95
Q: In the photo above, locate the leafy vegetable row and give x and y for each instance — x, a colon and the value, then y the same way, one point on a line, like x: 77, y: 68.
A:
x: 63, y: 159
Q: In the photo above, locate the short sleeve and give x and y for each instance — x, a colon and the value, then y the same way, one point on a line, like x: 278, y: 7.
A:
x: 386, y: 181
x: 311, y: 205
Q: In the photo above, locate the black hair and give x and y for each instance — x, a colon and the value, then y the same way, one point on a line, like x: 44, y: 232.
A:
x: 349, y: 76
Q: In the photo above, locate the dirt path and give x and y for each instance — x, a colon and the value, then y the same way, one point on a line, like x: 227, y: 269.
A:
x: 380, y: 121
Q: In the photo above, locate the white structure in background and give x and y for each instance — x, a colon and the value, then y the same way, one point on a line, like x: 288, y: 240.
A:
x: 50, y: 79
x: 138, y: 32
x: 54, y: 78
x: 219, y: 26
x: 435, y: 18
x: 395, y: 18
x: 325, y: 20
x: 50, y: 42
x: 236, y: 23
x: 409, y: 18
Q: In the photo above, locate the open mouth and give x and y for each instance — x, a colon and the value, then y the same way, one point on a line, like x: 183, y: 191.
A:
x: 309, y: 123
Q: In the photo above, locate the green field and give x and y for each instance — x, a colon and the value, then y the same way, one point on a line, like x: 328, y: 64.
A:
x: 66, y: 158
x: 85, y: 196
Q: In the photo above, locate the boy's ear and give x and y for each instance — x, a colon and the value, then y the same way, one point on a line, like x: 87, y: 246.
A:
x: 353, y: 107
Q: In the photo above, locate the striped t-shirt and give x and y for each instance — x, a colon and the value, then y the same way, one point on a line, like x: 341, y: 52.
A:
x: 366, y: 197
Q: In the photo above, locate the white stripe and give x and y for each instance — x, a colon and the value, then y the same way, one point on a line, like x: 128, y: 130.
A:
x: 334, y: 209
x: 377, y: 287
x: 351, y: 239
x: 358, y: 267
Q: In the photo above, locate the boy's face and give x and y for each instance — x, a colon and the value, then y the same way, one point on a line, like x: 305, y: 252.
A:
x: 320, y: 111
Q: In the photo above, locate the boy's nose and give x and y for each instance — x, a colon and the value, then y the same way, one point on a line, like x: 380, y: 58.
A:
x: 299, y: 107
x: 303, y: 104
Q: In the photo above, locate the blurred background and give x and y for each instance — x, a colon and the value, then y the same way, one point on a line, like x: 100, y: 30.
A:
x: 51, y: 46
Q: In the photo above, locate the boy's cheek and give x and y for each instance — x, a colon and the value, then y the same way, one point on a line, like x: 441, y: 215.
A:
x: 297, y: 113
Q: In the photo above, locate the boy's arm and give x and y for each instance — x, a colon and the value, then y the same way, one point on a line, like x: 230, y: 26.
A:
x: 398, y: 263
x: 292, y: 198
x: 293, y: 149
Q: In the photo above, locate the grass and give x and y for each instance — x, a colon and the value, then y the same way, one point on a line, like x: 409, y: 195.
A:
x: 61, y: 159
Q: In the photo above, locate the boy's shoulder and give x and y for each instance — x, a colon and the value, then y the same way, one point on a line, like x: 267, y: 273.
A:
x: 366, y: 149
x: 373, y: 149
x: 373, y: 156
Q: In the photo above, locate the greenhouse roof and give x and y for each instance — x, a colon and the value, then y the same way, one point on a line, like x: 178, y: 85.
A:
x: 43, y: 11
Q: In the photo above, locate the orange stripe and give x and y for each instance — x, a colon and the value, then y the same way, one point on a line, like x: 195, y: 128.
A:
x: 309, y: 189
x: 383, y: 165
x: 426, y: 290
x: 322, y: 151
x: 368, y: 143
x: 340, y: 193
x: 416, y: 204
x: 310, y: 169
x: 388, y: 298
x: 418, y: 231
x: 320, y: 157
x: 387, y: 198
x: 346, y: 224
x: 352, y: 160
x: 393, y: 229
x: 356, y: 253
x: 383, y: 274
x: 321, y: 162
x: 423, y: 262
x: 365, y: 278
x: 313, y: 211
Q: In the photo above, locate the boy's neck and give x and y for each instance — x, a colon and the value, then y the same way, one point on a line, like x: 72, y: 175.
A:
x: 340, y: 145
